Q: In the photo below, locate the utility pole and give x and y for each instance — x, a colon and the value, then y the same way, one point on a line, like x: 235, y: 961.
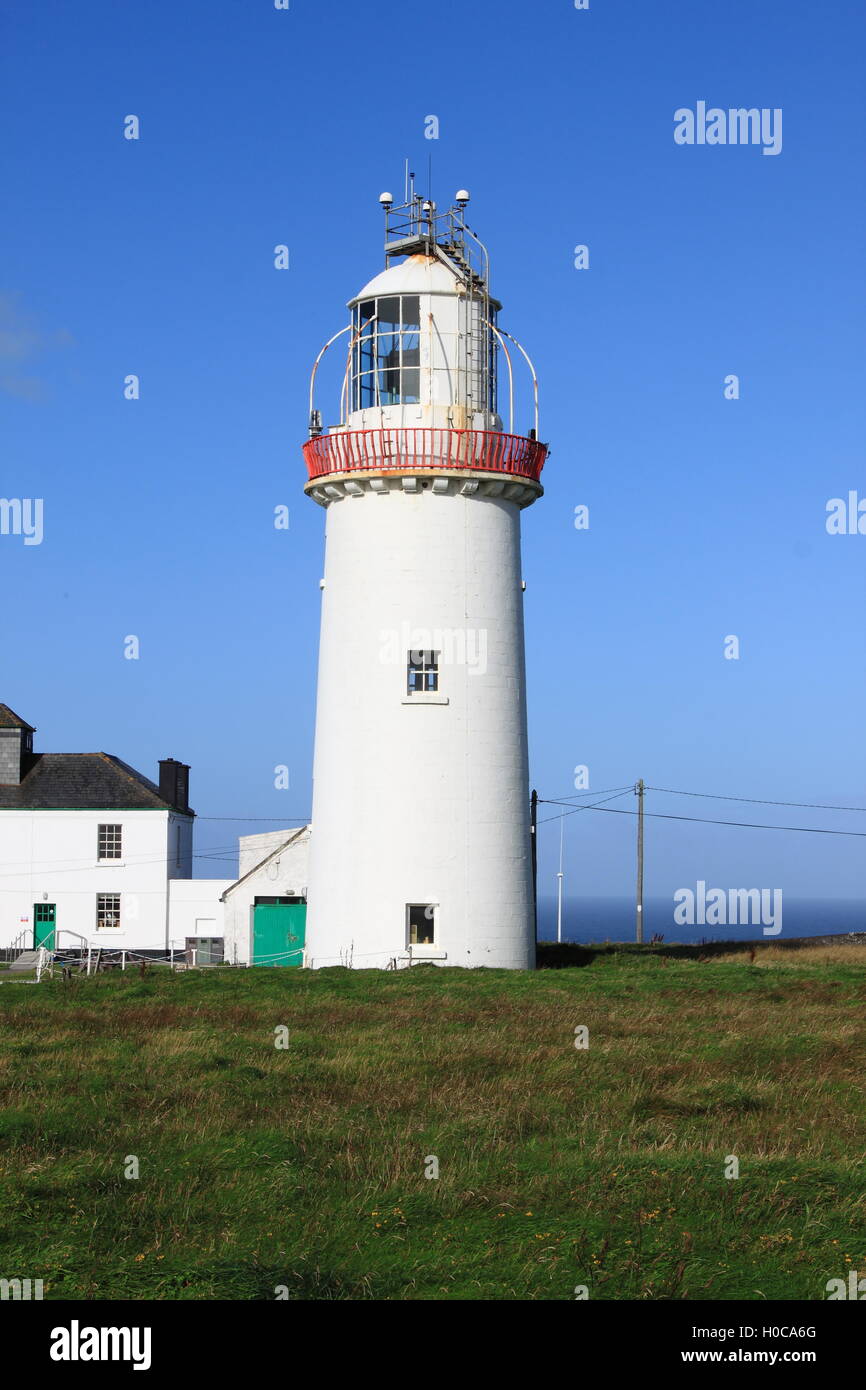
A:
x: 559, y: 883
x: 533, y: 848
x: 639, y: 913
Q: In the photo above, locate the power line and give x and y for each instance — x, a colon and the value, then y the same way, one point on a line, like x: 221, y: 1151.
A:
x: 276, y: 820
x: 84, y: 863
x: 759, y: 801
x: 37, y: 867
x: 704, y: 820
x: 603, y: 791
x: 574, y: 809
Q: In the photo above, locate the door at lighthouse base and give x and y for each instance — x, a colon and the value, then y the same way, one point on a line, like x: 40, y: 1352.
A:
x: 279, y: 931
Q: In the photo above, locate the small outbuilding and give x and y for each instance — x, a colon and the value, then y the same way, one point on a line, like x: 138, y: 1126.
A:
x: 265, y: 910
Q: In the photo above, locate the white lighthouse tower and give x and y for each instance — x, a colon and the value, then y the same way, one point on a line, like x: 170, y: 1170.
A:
x: 420, y: 845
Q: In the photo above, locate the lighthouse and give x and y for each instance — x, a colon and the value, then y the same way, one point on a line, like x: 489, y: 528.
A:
x: 420, y: 848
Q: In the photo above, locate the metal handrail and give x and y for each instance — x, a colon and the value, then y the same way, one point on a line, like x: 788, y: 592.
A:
x: 501, y: 341
x: 65, y: 931
x: 331, y: 340
x: 531, y: 366
x: 427, y: 448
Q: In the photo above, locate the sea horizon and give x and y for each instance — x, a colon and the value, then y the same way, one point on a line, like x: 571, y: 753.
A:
x: 593, y: 919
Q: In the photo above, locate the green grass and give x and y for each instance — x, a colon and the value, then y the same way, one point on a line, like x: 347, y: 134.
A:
x: 305, y: 1167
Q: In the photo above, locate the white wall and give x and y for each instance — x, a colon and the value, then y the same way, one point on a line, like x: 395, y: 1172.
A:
x: 195, y: 908
x: 51, y: 856
x: 416, y: 801
x: 422, y: 800
x: 252, y: 849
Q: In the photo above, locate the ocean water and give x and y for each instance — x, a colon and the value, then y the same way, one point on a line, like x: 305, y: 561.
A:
x: 613, y: 919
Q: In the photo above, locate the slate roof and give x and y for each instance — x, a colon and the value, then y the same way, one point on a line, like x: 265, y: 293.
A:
x: 82, y: 781
x: 10, y: 720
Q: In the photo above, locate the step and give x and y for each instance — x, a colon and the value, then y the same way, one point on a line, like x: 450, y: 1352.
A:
x: 26, y: 961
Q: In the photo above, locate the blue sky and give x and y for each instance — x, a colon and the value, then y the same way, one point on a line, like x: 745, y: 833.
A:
x: 707, y: 516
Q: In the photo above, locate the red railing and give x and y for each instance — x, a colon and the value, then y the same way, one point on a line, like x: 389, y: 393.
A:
x: 396, y: 450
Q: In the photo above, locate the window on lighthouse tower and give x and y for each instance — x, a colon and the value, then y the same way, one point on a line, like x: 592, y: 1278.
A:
x: 421, y: 924
x: 422, y: 673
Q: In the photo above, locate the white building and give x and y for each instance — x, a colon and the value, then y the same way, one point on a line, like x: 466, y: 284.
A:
x: 421, y: 837
x: 91, y: 850
x: 264, y: 911
x: 93, y: 853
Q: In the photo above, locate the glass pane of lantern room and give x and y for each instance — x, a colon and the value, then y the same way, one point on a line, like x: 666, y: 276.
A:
x: 388, y: 349
x: 411, y: 361
x: 365, y: 313
x: 388, y: 314
x: 410, y: 313
x: 363, y: 394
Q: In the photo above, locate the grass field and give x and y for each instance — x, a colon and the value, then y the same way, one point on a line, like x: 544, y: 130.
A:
x: 304, y: 1167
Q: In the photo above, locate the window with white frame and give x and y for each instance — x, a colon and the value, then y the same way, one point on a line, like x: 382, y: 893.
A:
x: 386, y: 362
x: 420, y: 924
x: 107, y: 911
x: 422, y: 673
x: 109, y: 842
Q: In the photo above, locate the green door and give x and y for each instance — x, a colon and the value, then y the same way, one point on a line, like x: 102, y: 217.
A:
x: 44, y: 924
x: 279, y: 930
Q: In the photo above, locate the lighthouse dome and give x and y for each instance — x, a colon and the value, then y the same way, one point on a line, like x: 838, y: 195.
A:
x: 416, y: 275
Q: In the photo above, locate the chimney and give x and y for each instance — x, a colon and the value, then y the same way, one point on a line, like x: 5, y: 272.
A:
x: 16, y: 747
x: 174, y: 783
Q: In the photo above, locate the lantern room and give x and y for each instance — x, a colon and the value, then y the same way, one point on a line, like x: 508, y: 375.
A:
x: 422, y: 341
x: 423, y: 386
